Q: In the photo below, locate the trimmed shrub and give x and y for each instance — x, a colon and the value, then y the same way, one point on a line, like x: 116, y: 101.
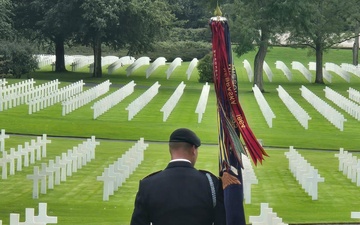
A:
x: 16, y: 59
x: 205, y: 68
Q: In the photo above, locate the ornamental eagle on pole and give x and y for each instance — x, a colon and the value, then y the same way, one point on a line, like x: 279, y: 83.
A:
x: 235, y: 136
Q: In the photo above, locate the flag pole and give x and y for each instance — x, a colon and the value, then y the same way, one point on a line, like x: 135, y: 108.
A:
x: 235, y: 136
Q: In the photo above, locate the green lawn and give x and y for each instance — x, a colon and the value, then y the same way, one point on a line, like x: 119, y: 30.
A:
x: 79, y: 199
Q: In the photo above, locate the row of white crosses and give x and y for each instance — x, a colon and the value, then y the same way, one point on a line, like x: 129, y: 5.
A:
x: 349, y: 165
x: 45, y: 60
x: 56, y: 96
x: 174, y: 64
x: 351, y: 68
x: 30, y: 219
x: 125, y: 60
x: 268, y: 71
x: 327, y: 76
x: 281, y: 66
x: 43, y: 89
x: 23, y: 156
x: 338, y: 70
x: 15, y: 94
x: 137, y: 64
x: 77, y: 101
x: 249, y: 178
x: 266, y: 217
x: 140, y: 102
x: 344, y: 103
x: 116, y: 173
x: 306, y: 175
x: 69, y: 59
x: 296, y: 110
x: 191, y: 67
x: 354, y: 94
x: 265, y: 108
x: 201, y: 106
x: 56, y: 171
x: 25, y: 92
x: 303, y: 70
x: 170, y: 104
x: 106, y: 60
x: 248, y: 69
x: 158, y: 62
x: 81, y: 61
x: 330, y: 113
x: 104, y: 104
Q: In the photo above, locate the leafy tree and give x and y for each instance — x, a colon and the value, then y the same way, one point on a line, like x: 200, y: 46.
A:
x: 190, y: 14
x: 16, y: 59
x: 134, y: 24
x: 354, y: 21
x: 5, y: 19
x: 48, y: 20
x: 256, y: 21
x: 319, y: 25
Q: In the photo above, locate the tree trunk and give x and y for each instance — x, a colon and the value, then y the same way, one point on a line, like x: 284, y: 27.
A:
x: 319, y: 64
x: 356, y: 46
x: 259, y: 61
x: 60, y: 55
x: 97, y: 56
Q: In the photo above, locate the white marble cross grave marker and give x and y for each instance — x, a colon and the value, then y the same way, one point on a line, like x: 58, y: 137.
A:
x: 36, y: 177
x: 43, y: 217
x: 56, y: 169
x: 48, y: 174
x: 3, y: 163
x: 60, y: 163
x: 43, y: 142
x: 3, y: 136
x: 108, y: 187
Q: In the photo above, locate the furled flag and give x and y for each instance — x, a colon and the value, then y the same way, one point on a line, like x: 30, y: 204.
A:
x: 232, y: 124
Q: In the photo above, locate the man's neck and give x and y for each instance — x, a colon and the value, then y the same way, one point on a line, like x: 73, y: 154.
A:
x: 180, y: 160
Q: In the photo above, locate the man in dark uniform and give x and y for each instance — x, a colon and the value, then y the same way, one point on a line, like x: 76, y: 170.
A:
x: 180, y: 194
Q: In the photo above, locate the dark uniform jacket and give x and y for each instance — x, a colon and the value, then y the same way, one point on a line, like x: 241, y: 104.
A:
x: 178, y: 195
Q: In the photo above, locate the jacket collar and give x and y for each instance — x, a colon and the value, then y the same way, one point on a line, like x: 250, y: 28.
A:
x: 179, y: 164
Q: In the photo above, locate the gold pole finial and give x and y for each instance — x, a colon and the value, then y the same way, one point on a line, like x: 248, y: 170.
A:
x: 218, y: 11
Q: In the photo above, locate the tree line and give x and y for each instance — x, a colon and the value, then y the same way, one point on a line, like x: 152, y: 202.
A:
x: 135, y: 25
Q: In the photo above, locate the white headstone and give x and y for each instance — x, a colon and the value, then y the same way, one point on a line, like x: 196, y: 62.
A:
x: 108, y: 187
x: 44, y: 141
x: 30, y: 217
x: 3, y: 136
x: 355, y: 215
x: 43, y: 217
x: 12, y: 156
x: 36, y: 177
x: 55, y: 168
x: 3, y: 163
x: 60, y: 163
x: 48, y: 174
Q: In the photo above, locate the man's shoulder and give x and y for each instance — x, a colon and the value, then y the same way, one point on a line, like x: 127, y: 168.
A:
x: 151, y: 175
x: 213, y: 176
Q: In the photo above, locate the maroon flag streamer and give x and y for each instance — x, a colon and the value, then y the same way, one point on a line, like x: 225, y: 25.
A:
x: 227, y: 98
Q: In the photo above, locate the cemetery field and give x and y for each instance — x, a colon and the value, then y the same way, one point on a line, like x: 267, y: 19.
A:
x: 78, y: 200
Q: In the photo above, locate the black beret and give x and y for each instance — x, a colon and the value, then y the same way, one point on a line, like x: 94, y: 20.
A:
x: 185, y: 135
